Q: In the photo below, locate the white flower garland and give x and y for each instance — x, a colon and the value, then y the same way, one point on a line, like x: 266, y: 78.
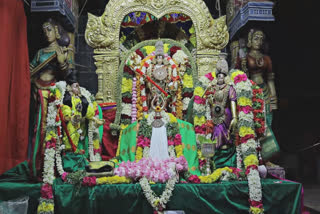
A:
x: 48, y: 172
x: 154, y: 200
x: 164, y: 117
x: 255, y: 192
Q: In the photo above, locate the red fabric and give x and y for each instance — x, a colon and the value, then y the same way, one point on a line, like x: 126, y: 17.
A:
x: 14, y: 85
x: 109, y: 141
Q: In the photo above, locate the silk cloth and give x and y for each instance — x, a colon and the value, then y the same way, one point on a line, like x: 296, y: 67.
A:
x: 279, y: 197
x: 159, y: 144
x: 128, y: 144
x: 14, y: 85
x: 109, y: 142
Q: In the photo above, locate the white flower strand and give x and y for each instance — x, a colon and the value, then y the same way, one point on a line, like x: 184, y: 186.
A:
x: 165, y: 196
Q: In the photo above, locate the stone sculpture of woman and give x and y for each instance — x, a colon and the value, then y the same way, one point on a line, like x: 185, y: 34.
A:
x: 49, y: 65
x: 258, y: 67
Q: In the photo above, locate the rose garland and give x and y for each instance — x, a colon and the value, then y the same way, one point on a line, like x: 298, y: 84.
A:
x: 248, y: 144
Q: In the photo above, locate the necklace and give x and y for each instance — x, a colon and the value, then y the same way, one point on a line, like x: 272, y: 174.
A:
x: 258, y: 56
x: 219, y: 101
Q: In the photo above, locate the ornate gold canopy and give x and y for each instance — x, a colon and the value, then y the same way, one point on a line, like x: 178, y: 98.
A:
x: 103, y: 32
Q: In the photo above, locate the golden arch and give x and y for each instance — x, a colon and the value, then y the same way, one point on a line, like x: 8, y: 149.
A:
x: 102, y: 33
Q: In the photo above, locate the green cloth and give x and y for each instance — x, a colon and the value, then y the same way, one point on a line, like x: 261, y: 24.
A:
x: 269, y: 143
x: 129, y: 137
x: 279, y: 197
x: 73, y: 162
x: 225, y: 157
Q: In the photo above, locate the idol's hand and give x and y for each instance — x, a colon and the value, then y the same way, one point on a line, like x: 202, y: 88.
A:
x: 233, y: 125
x: 62, y: 53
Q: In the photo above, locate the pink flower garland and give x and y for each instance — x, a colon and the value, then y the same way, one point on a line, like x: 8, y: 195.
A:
x: 134, y: 101
x: 155, y: 170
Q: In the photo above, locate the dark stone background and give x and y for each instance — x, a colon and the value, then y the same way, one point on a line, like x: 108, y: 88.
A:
x: 292, y: 41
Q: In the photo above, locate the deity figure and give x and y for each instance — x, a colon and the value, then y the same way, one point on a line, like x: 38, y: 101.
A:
x: 76, y: 110
x: 221, y: 97
x: 48, y: 66
x: 164, y: 76
x: 221, y: 116
x: 258, y: 67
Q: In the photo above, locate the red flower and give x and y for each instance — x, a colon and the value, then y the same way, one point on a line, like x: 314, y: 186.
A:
x: 194, y: 179
x: 126, y: 100
x: 145, y: 108
x: 173, y: 66
x: 174, y: 49
x: 187, y: 94
x: 46, y: 191
x: 139, y: 53
x: 177, y: 140
x: 128, y: 70
x: 146, y: 65
x: 52, y: 84
x: 249, y: 168
x: 257, y: 204
x: 246, y: 138
x: 143, y: 98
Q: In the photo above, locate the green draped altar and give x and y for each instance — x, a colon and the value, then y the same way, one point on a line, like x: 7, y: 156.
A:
x: 279, y: 197
x: 129, y: 141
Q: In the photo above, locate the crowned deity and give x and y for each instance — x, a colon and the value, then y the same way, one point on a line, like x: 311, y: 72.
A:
x: 221, y: 98
x: 76, y: 110
x: 163, y: 75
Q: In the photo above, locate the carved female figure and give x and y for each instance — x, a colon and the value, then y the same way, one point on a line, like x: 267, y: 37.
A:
x: 258, y: 67
x: 49, y: 64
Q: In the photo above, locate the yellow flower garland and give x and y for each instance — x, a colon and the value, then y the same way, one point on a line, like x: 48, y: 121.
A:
x: 187, y: 81
x: 198, y: 91
x: 139, y: 103
x: 45, y: 207
x: 179, y: 151
x: 251, y: 160
x: 139, y: 153
x: 243, y: 131
x: 236, y: 73
x: 214, y: 176
x: 243, y: 101
x: 256, y: 210
x: 126, y: 85
x: 113, y: 180
x: 199, y: 121
x: 173, y: 119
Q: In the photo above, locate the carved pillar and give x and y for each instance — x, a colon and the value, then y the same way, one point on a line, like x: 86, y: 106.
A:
x: 107, y: 70
x: 207, y: 62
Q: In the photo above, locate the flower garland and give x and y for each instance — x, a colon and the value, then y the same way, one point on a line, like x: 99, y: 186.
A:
x: 248, y: 144
x: 147, y: 169
x: 52, y: 156
x: 247, y: 150
x: 158, y: 203
x: 223, y: 174
x: 153, y: 170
